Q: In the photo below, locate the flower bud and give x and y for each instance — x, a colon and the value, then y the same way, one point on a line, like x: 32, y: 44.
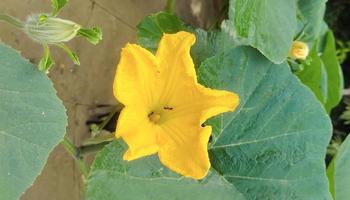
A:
x: 299, y: 50
x: 50, y: 30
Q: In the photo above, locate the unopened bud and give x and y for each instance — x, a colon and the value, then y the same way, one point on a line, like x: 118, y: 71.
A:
x: 299, y: 50
x: 50, y: 30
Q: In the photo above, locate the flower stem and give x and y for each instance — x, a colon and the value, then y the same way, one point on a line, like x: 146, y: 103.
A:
x: 110, y: 116
x: 73, y: 151
x: 11, y: 20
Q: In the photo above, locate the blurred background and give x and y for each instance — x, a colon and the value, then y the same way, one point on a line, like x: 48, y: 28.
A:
x: 338, y: 18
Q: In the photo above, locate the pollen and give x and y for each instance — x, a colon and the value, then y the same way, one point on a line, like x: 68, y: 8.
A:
x: 154, y: 117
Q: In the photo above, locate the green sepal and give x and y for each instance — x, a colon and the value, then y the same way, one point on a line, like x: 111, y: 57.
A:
x: 57, y: 5
x: 42, y: 18
x: 73, y: 56
x: 295, y: 66
x: 93, y: 35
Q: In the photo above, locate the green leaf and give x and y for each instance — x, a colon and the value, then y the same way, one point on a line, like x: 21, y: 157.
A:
x: 267, y: 147
x: 335, y: 82
x: 211, y: 43
x: 341, y: 171
x: 46, y: 61
x: 330, y: 175
x: 314, y: 76
x: 113, y: 178
x: 151, y: 29
x: 32, y: 122
x: 321, y: 38
x: 94, y: 35
x: 312, y: 13
x: 269, y: 25
x: 57, y: 5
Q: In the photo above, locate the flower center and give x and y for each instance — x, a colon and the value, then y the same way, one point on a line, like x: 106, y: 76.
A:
x: 154, y: 117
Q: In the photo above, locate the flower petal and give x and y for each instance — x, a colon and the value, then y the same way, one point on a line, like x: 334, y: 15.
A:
x: 201, y: 103
x: 135, y: 79
x: 176, y: 64
x: 215, y: 102
x: 183, y: 147
x: 138, y: 132
x: 183, y: 142
x: 180, y: 87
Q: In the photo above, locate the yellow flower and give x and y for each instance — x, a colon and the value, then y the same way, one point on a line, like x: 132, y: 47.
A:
x: 165, y: 106
x: 299, y: 50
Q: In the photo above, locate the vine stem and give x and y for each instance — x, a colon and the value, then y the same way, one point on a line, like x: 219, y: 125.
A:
x: 73, y: 151
x: 90, y: 146
x: 11, y: 20
x: 88, y: 149
x: 170, y: 6
x: 219, y: 17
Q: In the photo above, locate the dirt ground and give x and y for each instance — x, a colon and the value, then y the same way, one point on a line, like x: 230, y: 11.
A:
x: 83, y: 87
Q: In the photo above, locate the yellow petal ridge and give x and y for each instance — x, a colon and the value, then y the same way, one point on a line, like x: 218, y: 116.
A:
x: 136, y: 76
x: 137, y: 132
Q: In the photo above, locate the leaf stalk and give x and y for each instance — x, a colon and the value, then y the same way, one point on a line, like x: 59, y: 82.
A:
x: 74, y: 152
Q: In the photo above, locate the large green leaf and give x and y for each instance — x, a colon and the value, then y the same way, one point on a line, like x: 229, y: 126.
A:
x: 274, y: 145
x: 312, y: 13
x: 341, y: 170
x: 152, y: 28
x: 335, y: 82
x: 32, y: 122
x: 145, y: 179
x: 209, y: 44
x: 269, y: 25
x: 314, y: 76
